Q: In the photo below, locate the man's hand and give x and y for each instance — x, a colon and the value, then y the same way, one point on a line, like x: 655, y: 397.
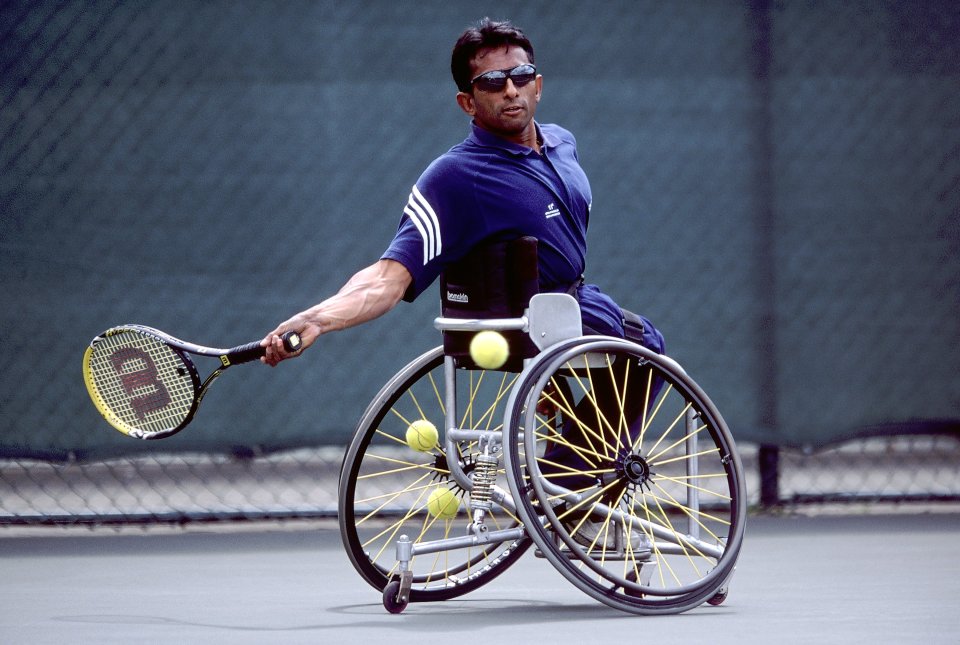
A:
x: 273, y: 342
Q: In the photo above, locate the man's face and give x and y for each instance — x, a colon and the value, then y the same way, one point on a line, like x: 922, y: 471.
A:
x: 507, y: 112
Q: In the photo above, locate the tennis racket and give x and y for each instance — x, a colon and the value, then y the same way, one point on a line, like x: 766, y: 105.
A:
x: 144, y: 383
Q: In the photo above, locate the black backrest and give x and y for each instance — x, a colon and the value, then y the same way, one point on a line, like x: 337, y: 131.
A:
x: 496, y: 280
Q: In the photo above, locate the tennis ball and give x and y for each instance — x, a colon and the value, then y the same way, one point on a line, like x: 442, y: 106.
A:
x: 443, y: 503
x: 422, y: 435
x: 489, y: 349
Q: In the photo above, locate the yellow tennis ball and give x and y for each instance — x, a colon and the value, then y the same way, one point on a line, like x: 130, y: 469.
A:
x: 443, y: 503
x: 489, y: 349
x: 422, y: 435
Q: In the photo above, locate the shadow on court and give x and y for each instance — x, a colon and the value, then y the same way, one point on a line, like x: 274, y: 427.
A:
x: 876, y: 579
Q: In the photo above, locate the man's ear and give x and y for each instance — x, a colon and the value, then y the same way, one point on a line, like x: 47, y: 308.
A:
x: 466, y: 103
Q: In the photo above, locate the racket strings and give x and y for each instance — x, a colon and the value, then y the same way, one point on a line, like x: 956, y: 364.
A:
x: 143, y: 384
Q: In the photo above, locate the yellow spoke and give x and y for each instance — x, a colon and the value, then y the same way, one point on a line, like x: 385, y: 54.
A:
x: 587, y: 433
x: 590, y: 498
x: 405, y: 466
x: 489, y: 414
x: 602, y: 421
x: 389, y: 498
x: 439, y: 397
x: 629, y: 530
x: 620, y: 397
x: 709, y: 451
x: 387, y: 435
x: 414, y: 508
x: 681, y: 478
x: 570, y: 469
x: 395, y: 471
x: 474, y: 388
x: 665, y: 562
x: 646, y: 407
x: 694, y: 515
x: 676, y: 443
x: 656, y: 411
x: 669, y: 428
x: 680, y: 482
x: 580, y: 450
x: 407, y: 489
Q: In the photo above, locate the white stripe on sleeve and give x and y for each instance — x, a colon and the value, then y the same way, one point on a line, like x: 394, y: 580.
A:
x: 425, y: 219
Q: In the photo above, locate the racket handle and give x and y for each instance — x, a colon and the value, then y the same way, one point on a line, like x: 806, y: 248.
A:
x: 253, y: 351
x: 291, y: 341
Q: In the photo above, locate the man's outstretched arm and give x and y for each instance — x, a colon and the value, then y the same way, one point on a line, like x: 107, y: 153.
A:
x: 369, y: 294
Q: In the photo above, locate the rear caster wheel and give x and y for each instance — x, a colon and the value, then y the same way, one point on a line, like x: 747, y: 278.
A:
x: 718, y: 598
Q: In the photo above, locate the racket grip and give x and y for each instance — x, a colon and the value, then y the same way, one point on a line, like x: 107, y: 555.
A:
x: 253, y: 351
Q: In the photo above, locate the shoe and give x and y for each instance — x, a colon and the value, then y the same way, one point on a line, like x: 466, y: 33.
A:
x: 588, y: 530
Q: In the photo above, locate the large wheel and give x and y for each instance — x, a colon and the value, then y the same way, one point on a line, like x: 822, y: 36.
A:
x: 385, y: 484
x: 625, y: 475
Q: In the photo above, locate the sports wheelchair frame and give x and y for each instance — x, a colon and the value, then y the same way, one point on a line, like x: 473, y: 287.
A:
x: 605, y: 456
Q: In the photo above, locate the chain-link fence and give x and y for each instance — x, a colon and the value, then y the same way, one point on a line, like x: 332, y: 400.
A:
x: 877, y: 474
x: 776, y: 185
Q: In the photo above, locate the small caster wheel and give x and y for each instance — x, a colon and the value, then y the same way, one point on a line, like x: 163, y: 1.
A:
x: 718, y: 598
x: 390, y: 598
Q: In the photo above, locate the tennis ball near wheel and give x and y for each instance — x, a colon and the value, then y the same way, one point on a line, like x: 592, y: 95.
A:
x: 443, y: 504
x: 489, y: 349
x: 422, y: 435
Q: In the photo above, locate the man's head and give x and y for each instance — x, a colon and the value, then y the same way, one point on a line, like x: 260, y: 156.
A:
x: 488, y: 34
x: 492, y: 65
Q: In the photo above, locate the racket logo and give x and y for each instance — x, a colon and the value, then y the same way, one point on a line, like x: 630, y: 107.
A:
x: 138, y: 375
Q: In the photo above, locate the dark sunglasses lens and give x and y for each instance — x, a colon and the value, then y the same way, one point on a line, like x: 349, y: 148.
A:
x: 522, y: 79
x: 497, y: 79
x: 491, y: 81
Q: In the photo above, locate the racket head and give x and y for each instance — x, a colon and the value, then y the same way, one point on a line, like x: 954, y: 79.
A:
x: 141, y: 385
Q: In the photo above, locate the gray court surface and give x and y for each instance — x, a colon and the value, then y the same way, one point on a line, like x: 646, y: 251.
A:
x: 866, y: 579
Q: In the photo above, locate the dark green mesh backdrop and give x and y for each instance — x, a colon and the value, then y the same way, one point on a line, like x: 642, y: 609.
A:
x: 777, y: 185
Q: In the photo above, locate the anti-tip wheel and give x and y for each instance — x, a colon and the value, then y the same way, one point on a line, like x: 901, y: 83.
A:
x: 390, y: 598
x: 718, y: 598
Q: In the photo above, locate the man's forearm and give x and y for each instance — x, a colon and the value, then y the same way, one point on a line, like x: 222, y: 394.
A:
x: 369, y: 294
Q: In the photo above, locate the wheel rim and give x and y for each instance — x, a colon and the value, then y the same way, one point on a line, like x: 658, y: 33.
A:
x: 692, y: 519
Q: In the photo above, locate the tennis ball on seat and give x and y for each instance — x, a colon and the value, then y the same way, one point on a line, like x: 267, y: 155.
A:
x: 422, y: 435
x: 489, y: 349
x: 443, y: 503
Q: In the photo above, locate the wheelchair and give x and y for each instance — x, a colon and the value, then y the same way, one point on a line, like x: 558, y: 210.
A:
x: 650, y: 517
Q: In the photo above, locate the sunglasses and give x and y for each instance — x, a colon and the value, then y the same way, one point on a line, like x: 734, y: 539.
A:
x: 496, y: 79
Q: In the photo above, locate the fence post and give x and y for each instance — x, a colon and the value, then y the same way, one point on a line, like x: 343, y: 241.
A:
x: 769, y: 467
x: 759, y: 13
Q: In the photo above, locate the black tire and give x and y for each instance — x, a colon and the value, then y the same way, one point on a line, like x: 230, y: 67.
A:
x: 390, y: 602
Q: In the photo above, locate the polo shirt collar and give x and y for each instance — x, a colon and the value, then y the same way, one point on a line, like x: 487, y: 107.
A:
x: 487, y: 139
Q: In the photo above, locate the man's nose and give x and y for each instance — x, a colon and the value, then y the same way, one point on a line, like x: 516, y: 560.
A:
x: 510, y: 89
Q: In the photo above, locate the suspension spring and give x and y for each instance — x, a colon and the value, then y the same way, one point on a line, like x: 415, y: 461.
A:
x: 484, y: 476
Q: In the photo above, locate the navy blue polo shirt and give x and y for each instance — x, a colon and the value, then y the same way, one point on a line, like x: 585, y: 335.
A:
x: 490, y: 189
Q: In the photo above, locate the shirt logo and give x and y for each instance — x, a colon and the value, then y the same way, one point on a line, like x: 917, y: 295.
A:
x: 552, y: 210
x: 457, y: 297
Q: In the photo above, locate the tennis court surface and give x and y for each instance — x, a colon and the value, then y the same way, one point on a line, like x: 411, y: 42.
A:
x: 825, y: 579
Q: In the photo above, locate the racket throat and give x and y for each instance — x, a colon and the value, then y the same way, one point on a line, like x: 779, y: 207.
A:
x: 207, y: 383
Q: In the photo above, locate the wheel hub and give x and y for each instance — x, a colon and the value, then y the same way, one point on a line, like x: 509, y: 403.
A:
x: 635, y: 468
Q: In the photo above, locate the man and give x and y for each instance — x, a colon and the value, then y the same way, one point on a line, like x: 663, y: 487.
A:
x: 511, y: 177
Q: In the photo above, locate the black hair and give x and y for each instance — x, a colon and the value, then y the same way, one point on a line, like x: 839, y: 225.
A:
x: 487, y: 34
